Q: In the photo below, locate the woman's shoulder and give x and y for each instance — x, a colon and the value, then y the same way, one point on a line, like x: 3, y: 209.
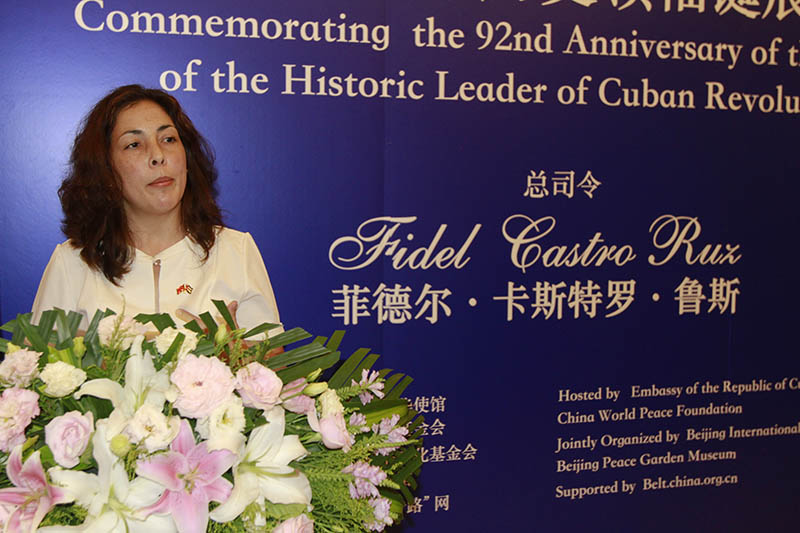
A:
x: 231, y: 239
x: 67, y: 254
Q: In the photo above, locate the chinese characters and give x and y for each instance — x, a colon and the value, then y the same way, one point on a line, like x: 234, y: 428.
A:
x: 549, y: 300
x: 751, y: 9
x: 559, y: 183
x: 390, y: 305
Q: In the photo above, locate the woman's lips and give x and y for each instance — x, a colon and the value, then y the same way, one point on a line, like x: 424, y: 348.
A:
x: 161, y: 182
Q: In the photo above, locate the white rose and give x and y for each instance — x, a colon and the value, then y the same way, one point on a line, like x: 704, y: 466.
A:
x: 61, y: 378
x: 19, y: 368
x: 165, y: 339
x: 152, y: 428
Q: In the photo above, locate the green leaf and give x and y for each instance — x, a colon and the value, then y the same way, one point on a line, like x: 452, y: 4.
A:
x: 365, y: 364
x: 303, y: 369
x: 74, y: 322
x: 46, y: 457
x: 18, y: 337
x: 339, y: 379
x: 204, y: 347
x: 260, y: 329
x: 64, y: 331
x: 94, y: 352
x: 298, y: 355
x: 409, y: 416
x: 397, y: 502
x: 410, y: 469
x: 378, y: 409
x: 288, y: 337
x: 208, y: 320
x: 391, y: 381
x: 409, y: 497
x: 284, y: 511
x: 161, y: 321
x: 171, y: 351
x: 91, y: 331
x: 192, y: 325
x: 402, y: 456
x: 416, y: 423
x: 94, y: 372
x: 30, y: 332
x: 411, y: 461
x: 396, y: 391
x: 47, y: 322
x: 9, y: 326
x: 225, y: 312
x: 335, y: 340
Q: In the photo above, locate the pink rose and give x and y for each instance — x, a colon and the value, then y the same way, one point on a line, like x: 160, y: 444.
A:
x: 301, y: 405
x: 293, y: 388
x: 17, y: 408
x: 334, y: 432
x: 203, y: 383
x: 293, y: 398
x: 19, y: 368
x: 258, y: 386
x: 298, y: 524
x: 68, y: 435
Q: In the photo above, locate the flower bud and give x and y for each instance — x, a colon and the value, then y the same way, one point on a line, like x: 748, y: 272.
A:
x: 120, y: 445
x: 315, y: 389
x: 78, y: 347
x: 11, y: 347
x: 221, y: 336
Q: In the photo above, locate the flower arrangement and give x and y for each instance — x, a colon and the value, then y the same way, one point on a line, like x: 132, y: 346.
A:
x: 195, y: 429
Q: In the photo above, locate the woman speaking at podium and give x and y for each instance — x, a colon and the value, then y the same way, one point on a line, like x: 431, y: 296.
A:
x: 144, y: 232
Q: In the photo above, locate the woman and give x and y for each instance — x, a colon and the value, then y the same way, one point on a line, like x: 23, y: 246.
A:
x: 144, y: 232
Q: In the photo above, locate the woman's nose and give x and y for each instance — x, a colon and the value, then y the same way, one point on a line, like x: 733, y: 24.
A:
x: 156, y: 157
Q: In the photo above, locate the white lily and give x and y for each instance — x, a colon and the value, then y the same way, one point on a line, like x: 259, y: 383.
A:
x: 110, y: 499
x: 142, y: 385
x: 263, y: 471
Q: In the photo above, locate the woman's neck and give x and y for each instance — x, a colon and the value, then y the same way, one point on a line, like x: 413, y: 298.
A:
x: 153, y: 236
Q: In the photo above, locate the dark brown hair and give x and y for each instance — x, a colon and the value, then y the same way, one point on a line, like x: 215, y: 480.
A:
x: 91, y: 194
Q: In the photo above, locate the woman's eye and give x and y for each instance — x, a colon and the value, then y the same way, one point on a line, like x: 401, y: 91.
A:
x: 134, y: 144
x: 170, y: 139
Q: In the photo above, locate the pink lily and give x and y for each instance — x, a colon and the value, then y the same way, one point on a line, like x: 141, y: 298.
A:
x: 32, y: 497
x: 192, y: 476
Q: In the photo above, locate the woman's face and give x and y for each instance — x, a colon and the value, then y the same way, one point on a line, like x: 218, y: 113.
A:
x: 148, y: 156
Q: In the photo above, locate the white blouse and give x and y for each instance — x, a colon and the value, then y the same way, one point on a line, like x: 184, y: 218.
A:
x: 176, y: 278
